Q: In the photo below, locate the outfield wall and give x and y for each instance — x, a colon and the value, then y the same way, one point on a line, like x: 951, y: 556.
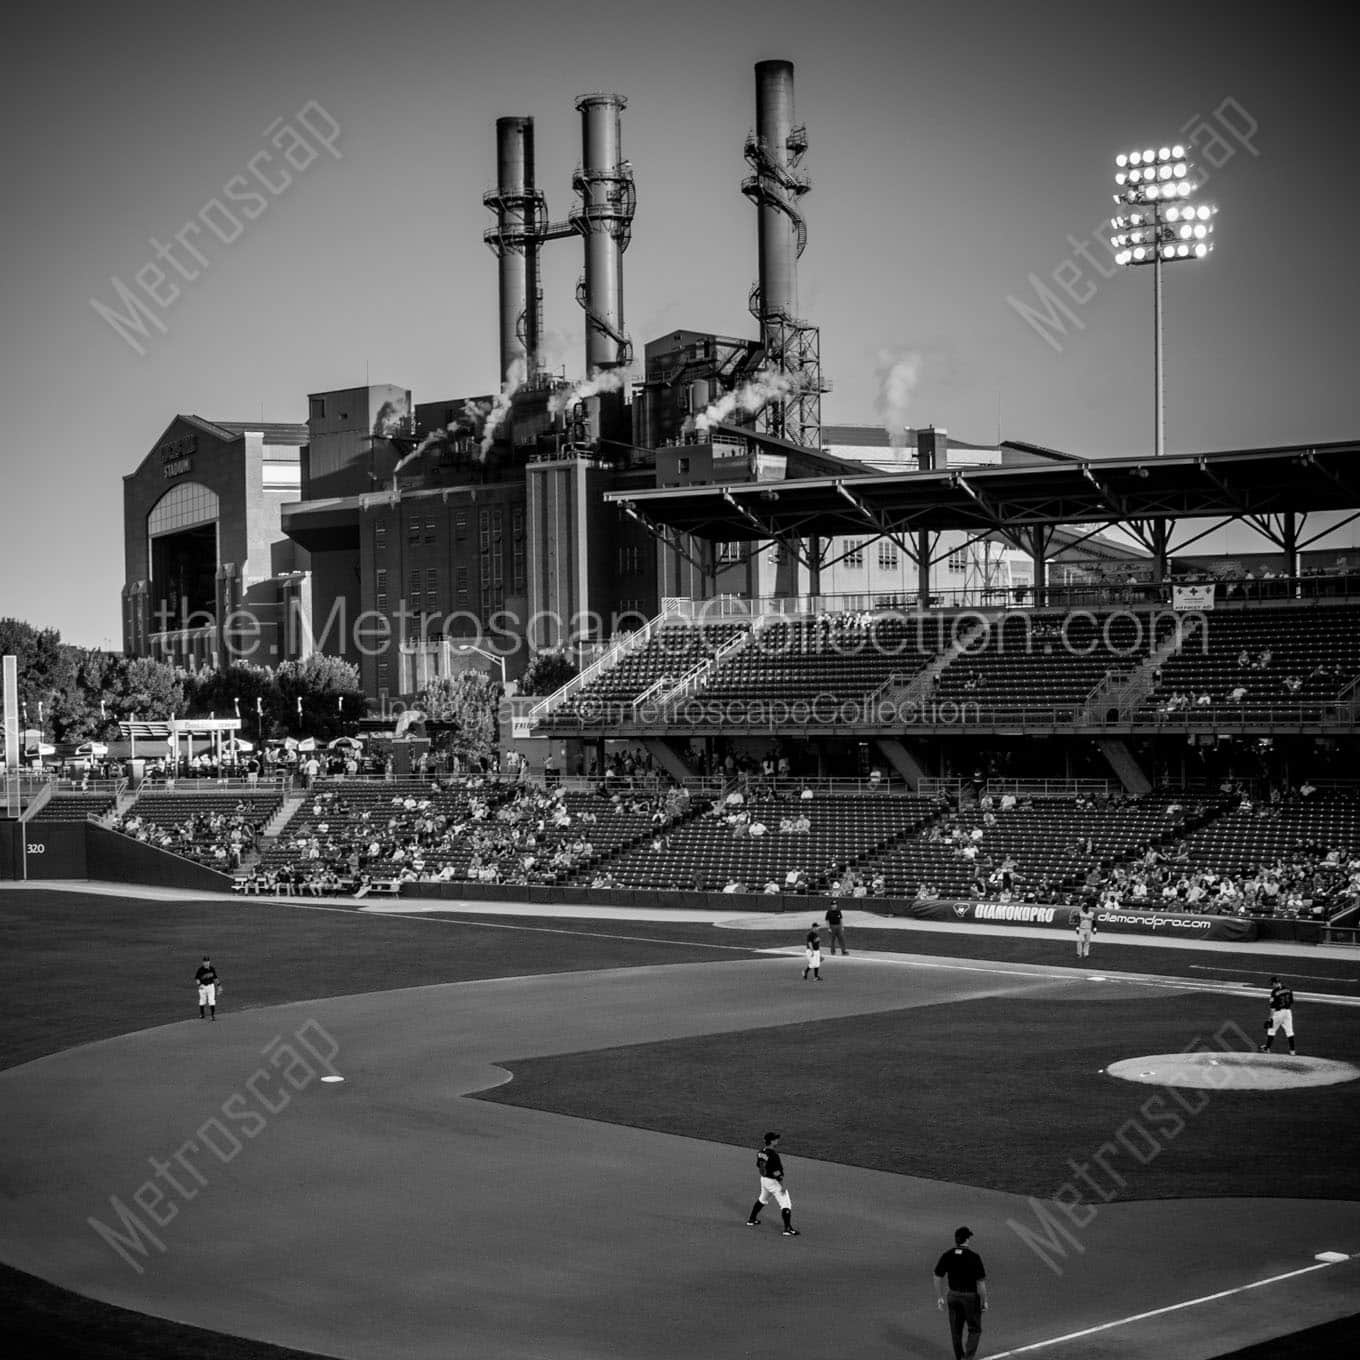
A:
x: 1166, y: 924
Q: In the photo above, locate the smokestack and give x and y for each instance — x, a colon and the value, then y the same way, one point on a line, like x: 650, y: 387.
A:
x: 520, y: 212
x: 605, y: 219
x: 792, y: 346
x: 775, y: 188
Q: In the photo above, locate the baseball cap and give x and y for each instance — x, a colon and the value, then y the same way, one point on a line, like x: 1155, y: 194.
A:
x: 961, y: 1235
x: 770, y: 1137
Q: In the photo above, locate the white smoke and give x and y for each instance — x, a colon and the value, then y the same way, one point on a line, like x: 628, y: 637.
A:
x: 472, y: 417
x: 602, y: 380
x: 772, y: 385
x: 897, y: 373
x: 500, y: 406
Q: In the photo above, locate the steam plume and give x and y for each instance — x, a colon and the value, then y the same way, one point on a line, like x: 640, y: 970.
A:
x: 602, y: 380
x: 751, y: 397
x: 897, y: 374
x: 500, y: 406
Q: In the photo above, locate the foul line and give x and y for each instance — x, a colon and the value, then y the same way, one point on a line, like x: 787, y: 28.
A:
x: 1256, y: 972
x: 1160, y: 1312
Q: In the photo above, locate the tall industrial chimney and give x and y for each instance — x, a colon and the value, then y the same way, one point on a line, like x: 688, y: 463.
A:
x: 604, y: 218
x: 520, y: 218
x: 792, y: 346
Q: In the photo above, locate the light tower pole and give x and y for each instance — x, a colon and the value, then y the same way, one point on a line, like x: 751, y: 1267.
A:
x: 1159, y: 224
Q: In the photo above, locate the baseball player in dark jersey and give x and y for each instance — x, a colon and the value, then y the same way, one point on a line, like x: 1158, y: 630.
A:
x: 835, y: 918
x: 771, y: 1171
x: 813, y: 954
x: 206, y: 977
x: 1281, y: 1015
x: 961, y: 1289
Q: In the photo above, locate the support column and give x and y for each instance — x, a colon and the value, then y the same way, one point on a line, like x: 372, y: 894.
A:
x: 902, y: 760
x: 1289, y: 541
x: 662, y: 751
x: 1124, y: 763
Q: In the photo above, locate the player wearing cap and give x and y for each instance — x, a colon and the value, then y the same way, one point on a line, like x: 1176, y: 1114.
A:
x: 962, y: 1271
x: 771, y: 1170
x: 1085, y: 923
x: 813, y: 954
x: 206, y: 978
x: 1281, y: 1015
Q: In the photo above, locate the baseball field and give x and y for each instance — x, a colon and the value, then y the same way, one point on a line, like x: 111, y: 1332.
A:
x: 466, y: 1135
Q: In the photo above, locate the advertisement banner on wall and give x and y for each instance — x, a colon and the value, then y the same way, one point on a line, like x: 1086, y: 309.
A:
x: 1171, y: 925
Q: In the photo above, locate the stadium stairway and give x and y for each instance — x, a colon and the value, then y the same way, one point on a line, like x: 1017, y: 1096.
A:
x: 275, y: 827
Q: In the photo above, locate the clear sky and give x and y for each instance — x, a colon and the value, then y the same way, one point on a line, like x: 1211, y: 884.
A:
x: 954, y: 150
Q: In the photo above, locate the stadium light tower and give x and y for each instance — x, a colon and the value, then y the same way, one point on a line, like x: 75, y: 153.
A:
x: 1159, y: 223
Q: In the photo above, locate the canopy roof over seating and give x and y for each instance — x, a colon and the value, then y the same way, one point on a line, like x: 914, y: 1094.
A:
x: 1263, y: 487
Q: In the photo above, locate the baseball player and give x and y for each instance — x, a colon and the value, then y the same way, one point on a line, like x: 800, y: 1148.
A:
x: 771, y: 1171
x: 206, y: 977
x: 1085, y: 924
x: 1281, y: 1015
x: 813, y: 952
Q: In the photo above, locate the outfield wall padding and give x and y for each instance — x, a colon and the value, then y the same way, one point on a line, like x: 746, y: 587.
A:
x: 113, y: 856
x: 54, y: 849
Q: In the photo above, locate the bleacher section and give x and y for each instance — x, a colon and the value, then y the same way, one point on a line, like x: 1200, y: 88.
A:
x: 1042, y: 840
x: 704, y: 852
x: 1048, y: 659
x: 75, y: 807
x: 1317, y: 646
x: 843, y: 655
x: 200, y: 826
x: 675, y: 648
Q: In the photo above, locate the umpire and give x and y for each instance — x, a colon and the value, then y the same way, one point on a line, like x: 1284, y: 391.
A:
x: 835, y: 918
x: 966, y: 1298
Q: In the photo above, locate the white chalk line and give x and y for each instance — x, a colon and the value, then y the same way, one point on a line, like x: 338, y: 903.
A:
x: 1161, y: 1312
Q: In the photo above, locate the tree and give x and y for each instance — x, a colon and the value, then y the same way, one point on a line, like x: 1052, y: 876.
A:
x: 332, y: 701
x: 45, y: 667
x: 547, y: 673
x: 147, y: 689
x: 243, y: 686
x: 470, y: 699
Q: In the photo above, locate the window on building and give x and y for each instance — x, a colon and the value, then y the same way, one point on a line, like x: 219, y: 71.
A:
x: 460, y: 526
x: 413, y: 531
x: 380, y: 536
x: 380, y: 589
x: 887, y: 556
x: 630, y: 560
x: 460, y: 583
x: 729, y: 552
x: 854, y: 554
x: 519, y: 568
x: 316, y: 408
x: 431, y: 529
x: 413, y: 590
x: 384, y: 675
x: 682, y: 466
x: 958, y: 562
x: 432, y: 587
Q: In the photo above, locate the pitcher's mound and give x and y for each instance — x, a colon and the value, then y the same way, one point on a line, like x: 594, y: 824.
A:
x: 1233, y: 1071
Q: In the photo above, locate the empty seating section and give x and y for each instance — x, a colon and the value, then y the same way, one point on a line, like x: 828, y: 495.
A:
x: 844, y: 655
x: 672, y: 650
x: 74, y: 807
x: 201, y: 826
x: 705, y: 852
x: 1315, y: 649
x: 1046, y: 841
x: 1049, y: 660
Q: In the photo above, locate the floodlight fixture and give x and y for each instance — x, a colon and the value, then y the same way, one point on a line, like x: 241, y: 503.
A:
x: 1164, y: 226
